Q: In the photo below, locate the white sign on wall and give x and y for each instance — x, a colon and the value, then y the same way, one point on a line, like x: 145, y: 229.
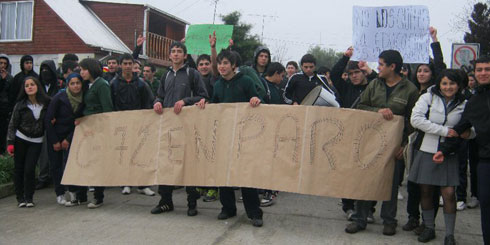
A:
x: 463, y: 54
x: 402, y: 28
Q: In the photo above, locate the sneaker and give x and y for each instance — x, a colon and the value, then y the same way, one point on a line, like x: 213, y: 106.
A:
x: 400, y: 196
x: 126, y: 190
x: 22, y: 204
x: 211, y: 196
x: 162, y: 208
x: 267, y: 200
x: 192, y: 211
x: 389, y: 229
x: 225, y: 215
x: 449, y: 240
x: 95, y: 204
x: 441, y: 201
x: 354, y: 228
x: 91, y: 189
x: 72, y: 196
x: 30, y: 204
x: 257, y: 222
x: 411, y: 224
x: 146, y: 191
x: 473, y: 203
x: 427, y: 235
x: 370, y: 218
x: 460, y: 206
x: 72, y: 202
x: 419, y: 229
x: 240, y: 199
x: 348, y: 214
x: 61, y: 199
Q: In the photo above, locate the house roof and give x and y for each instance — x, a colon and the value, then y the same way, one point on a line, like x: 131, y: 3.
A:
x: 143, y: 4
x: 87, y: 25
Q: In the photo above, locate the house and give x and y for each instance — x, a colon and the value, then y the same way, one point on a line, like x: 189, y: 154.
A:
x: 48, y: 29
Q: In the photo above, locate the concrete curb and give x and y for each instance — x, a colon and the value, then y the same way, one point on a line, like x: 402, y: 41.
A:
x: 7, y: 190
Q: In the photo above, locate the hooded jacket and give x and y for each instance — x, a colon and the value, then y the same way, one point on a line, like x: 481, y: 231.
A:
x: 24, y: 121
x: 50, y: 87
x: 259, y: 50
x: 132, y: 95
x: 240, y: 88
x: 6, y: 100
x: 19, y: 77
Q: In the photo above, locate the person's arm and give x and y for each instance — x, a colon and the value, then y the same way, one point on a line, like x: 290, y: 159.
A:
x: 289, y: 91
x: 439, y: 64
x: 419, y: 120
x: 139, y: 46
x: 105, y: 98
x: 252, y: 90
x: 199, y: 89
x: 214, y: 54
x: 337, y: 70
x: 365, y: 102
x: 50, y: 115
x: 147, y: 98
x: 13, y: 125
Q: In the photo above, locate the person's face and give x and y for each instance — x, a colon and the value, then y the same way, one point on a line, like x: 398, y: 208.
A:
x: 75, y: 85
x: 308, y: 69
x: 482, y: 73
x: 277, y: 77
x: 28, y: 65
x: 137, y: 68
x: 85, y: 74
x: 225, y: 68
x: 177, y: 55
x: 147, y: 73
x: 345, y: 76
x: 385, y: 70
x: 30, y: 87
x: 356, y: 76
x: 3, y: 64
x: 290, y: 70
x: 263, y: 59
x: 424, y: 74
x: 204, y: 67
x: 448, y: 87
x: 112, y: 65
x: 127, y: 66
x: 405, y: 71
x: 471, y: 82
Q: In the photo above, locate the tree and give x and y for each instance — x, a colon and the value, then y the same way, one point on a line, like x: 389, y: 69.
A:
x: 324, y: 57
x: 244, y: 42
x: 479, y: 26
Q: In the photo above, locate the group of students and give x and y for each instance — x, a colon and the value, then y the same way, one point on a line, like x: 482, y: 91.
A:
x: 439, y: 110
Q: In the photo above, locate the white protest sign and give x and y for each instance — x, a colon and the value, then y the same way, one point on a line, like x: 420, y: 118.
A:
x: 402, y: 28
x: 463, y: 54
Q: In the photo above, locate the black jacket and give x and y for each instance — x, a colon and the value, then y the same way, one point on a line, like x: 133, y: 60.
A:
x: 349, y: 93
x: 60, y: 109
x: 19, y: 77
x: 299, y: 85
x: 24, y: 121
x: 6, y: 102
x: 477, y: 115
x: 53, y: 82
x: 134, y: 95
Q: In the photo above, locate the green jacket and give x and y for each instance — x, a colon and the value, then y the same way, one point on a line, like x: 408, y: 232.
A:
x: 154, y: 85
x: 400, y: 101
x: 240, y: 88
x: 97, y: 99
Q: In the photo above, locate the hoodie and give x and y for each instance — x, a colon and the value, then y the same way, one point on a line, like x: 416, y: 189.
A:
x: 19, y: 77
x: 259, y: 50
x: 6, y: 103
x: 49, y: 79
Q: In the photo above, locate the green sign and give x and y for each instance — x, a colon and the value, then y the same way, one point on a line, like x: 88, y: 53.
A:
x: 197, y: 38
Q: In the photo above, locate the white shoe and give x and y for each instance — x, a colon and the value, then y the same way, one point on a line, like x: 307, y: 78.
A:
x: 126, y: 190
x: 349, y: 214
x: 146, y: 191
x: 91, y: 189
x: 460, y: 206
x: 400, y: 196
x: 441, y: 202
x: 61, y: 199
x: 473, y: 203
x: 72, y: 196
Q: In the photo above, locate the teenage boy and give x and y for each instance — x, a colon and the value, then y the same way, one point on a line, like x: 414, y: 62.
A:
x: 149, y: 71
x: 477, y: 115
x: 6, y: 99
x: 26, y: 70
x: 235, y: 87
x: 113, y: 67
x: 179, y: 87
x: 129, y: 92
x: 390, y: 94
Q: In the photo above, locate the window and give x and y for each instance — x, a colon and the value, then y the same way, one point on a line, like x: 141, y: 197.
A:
x: 16, y: 21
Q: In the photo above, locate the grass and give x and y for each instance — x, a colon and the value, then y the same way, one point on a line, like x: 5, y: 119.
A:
x: 6, y: 169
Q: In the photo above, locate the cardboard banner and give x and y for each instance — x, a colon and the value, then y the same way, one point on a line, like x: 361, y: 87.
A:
x: 402, y: 28
x: 310, y: 150
x: 197, y: 38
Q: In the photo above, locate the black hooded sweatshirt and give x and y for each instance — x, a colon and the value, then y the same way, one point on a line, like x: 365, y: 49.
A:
x: 6, y: 104
x: 49, y: 79
x: 19, y: 78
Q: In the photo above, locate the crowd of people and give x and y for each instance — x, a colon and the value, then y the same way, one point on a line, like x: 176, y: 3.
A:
x: 446, y: 114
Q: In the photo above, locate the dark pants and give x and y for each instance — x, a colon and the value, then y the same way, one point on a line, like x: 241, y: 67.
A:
x: 347, y: 204
x: 82, y: 193
x: 463, y: 169
x: 166, y: 191
x: 473, y: 159
x: 413, y: 200
x: 57, y: 167
x: 4, y: 124
x: 25, y: 158
x: 251, y: 201
x: 484, y: 197
x: 44, y: 163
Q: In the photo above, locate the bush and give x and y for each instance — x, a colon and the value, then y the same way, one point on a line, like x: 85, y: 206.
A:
x: 6, y: 169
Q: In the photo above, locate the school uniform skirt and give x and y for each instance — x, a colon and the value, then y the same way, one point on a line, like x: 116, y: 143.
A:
x: 427, y: 172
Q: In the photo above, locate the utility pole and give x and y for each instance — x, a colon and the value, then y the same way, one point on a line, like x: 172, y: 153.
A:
x: 263, y: 22
x: 215, y: 7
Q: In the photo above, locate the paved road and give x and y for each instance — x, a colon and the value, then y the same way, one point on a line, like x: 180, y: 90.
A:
x: 294, y: 219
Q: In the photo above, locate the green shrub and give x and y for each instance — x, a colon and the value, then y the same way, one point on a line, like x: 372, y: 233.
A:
x: 6, y: 169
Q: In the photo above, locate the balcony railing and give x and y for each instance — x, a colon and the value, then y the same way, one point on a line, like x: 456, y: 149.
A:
x: 158, y: 47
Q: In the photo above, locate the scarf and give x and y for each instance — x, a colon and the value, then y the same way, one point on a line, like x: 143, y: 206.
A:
x: 75, y: 100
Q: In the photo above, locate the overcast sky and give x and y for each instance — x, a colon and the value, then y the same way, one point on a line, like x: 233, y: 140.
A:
x: 294, y: 26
